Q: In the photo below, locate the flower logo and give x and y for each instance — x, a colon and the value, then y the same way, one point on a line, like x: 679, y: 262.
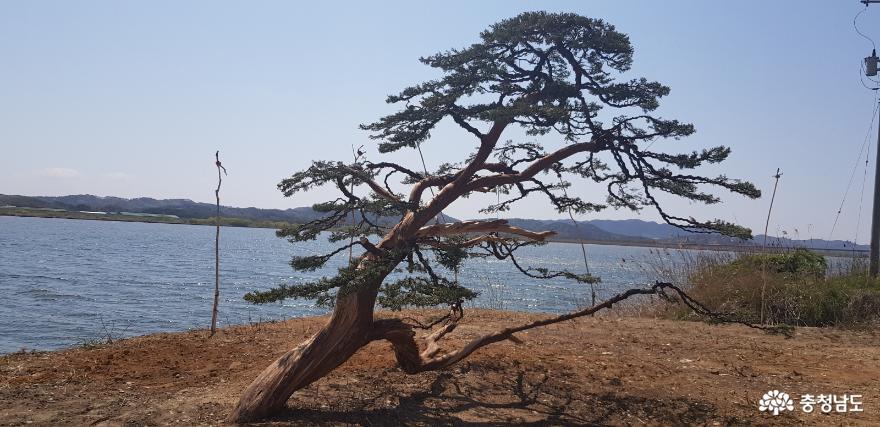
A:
x: 776, y: 401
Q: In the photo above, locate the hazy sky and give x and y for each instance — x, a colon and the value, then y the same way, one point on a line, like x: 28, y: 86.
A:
x: 132, y: 98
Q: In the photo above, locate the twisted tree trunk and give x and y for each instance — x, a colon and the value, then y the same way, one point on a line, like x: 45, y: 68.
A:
x: 348, y: 330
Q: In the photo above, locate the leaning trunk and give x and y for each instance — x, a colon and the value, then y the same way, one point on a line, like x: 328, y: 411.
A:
x: 350, y: 328
x: 347, y: 331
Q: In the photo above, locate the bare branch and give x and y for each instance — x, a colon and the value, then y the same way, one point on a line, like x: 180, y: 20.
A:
x: 466, y: 244
x: 496, y: 226
x: 375, y: 186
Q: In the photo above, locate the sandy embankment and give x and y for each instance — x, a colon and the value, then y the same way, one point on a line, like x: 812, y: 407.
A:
x: 602, y: 370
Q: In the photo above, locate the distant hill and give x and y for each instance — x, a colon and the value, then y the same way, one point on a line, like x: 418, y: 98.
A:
x: 566, y: 230
x: 631, y: 231
x: 639, y: 228
x: 183, y: 208
x: 666, y: 233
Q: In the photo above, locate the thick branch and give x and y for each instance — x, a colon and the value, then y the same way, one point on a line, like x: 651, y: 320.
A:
x: 535, y: 167
x: 415, y: 195
x: 466, y: 227
x: 458, y: 186
x: 419, y: 188
x: 466, y: 244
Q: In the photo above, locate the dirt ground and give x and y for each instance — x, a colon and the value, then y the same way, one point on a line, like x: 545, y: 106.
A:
x: 593, y: 371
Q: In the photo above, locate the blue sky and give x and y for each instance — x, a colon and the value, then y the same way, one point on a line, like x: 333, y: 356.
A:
x: 132, y: 98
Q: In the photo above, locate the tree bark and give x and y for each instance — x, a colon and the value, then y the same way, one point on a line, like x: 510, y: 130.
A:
x: 347, y: 331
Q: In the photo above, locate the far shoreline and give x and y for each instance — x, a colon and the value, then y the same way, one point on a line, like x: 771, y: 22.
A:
x: 247, y: 223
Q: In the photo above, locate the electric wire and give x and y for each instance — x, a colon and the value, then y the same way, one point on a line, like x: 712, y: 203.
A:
x: 581, y: 241
x: 855, y: 166
x: 862, y: 197
x: 439, y: 216
x: 873, y: 46
x: 856, y: 27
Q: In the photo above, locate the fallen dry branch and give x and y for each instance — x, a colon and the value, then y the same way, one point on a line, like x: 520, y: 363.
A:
x: 402, y: 335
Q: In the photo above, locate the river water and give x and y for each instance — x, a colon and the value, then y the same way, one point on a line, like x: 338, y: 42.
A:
x: 65, y: 282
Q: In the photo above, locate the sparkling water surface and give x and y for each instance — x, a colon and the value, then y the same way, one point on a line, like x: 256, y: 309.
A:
x: 65, y: 282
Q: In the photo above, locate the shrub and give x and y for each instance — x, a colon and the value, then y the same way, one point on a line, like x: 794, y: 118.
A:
x: 800, y: 262
x: 795, y: 288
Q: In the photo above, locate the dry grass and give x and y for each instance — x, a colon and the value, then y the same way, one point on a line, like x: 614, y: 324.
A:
x: 794, y: 288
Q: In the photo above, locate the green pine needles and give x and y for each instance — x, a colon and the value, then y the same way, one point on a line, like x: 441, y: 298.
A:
x: 561, y: 78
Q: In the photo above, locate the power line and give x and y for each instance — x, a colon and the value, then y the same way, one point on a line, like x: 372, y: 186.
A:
x: 439, y: 216
x: 581, y: 241
x: 856, y: 26
x: 856, y: 165
x: 862, y: 197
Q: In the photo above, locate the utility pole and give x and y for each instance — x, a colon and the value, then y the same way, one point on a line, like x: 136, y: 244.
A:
x: 871, y: 63
x: 875, y: 213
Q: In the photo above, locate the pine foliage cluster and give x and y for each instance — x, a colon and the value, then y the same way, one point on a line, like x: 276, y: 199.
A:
x: 563, y: 79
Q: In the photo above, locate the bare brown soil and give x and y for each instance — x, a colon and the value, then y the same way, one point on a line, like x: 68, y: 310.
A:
x: 594, y: 371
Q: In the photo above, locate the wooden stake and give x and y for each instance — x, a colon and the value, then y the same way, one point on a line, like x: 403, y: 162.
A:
x: 217, y: 245
x: 764, y: 249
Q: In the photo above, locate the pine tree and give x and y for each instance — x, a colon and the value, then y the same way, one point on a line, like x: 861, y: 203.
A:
x: 557, y: 76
